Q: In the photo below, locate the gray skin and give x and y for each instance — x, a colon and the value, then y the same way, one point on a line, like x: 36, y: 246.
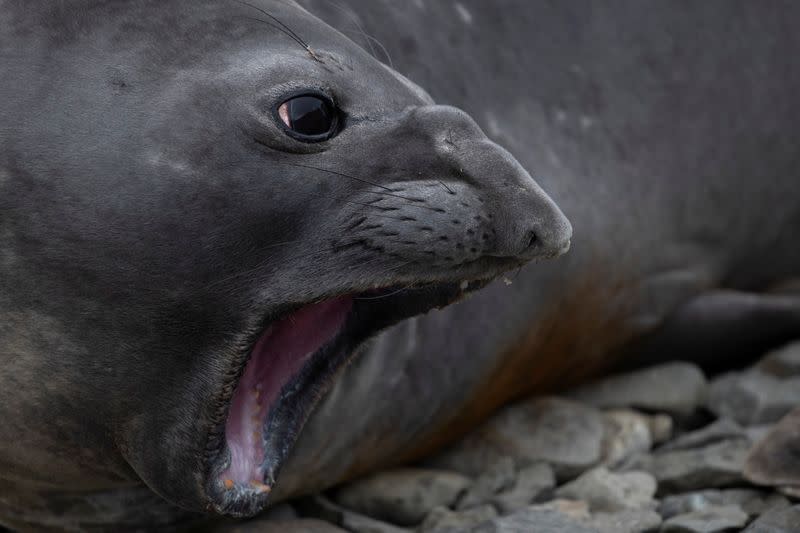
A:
x: 156, y: 217
x: 140, y: 221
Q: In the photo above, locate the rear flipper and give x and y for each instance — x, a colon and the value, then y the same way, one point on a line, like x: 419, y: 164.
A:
x: 721, y: 329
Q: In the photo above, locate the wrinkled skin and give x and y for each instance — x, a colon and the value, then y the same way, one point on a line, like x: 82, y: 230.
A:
x: 139, y: 219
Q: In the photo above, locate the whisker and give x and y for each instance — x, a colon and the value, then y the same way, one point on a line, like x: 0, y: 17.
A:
x: 283, y: 28
x: 355, y: 178
x: 398, y: 291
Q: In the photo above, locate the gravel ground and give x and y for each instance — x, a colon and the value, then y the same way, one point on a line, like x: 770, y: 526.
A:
x: 657, y: 450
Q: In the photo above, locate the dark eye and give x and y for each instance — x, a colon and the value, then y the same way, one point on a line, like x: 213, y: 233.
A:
x: 309, y: 118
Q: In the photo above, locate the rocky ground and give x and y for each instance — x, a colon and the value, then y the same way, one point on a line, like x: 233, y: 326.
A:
x: 662, y: 450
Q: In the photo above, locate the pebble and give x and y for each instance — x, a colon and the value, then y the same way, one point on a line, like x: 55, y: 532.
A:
x: 402, y: 496
x: 714, y: 519
x: 563, y: 433
x: 774, y: 460
x: 608, y: 491
x: 786, y: 520
x: 675, y: 388
x: 535, y: 520
x: 532, y: 483
x: 628, y: 521
x: 783, y: 362
x: 443, y: 520
x: 753, y: 397
x: 498, y: 477
x: 322, y: 508
x: 627, y: 435
x: 722, y: 429
x: 713, y: 466
x: 661, y: 427
x: 753, y: 502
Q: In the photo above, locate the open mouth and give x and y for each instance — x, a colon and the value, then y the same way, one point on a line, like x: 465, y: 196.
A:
x: 290, y: 366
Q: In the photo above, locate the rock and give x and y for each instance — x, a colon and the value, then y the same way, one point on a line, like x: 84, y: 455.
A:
x: 790, y: 492
x: 722, y: 429
x: 775, y: 460
x: 783, y: 362
x: 661, y: 427
x: 628, y: 521
x: 535, y: 520
x: 260, y: 525
x: 675, y: 388
x: 627, y: 435
x: 443, y: 520
x: 713, y: 466
x: 710, y: 520
x: 532, y: 483
x: 753, y: 502
x: 786, y: 520
x: 322, y: 508
x: 357, y: 523
x: 607, y: 491
x: 753, y: 397
x: 402, y: 496
x: 563, y: 433
x: 575, y: 509
x: 499, y: 477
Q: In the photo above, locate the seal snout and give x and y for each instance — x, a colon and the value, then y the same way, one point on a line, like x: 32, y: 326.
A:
x: 517, y: 220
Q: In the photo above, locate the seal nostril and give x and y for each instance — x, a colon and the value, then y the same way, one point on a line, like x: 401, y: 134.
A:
x: 533, y: 240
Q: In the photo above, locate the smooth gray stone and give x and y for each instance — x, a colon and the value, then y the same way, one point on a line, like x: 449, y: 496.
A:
x: 566, y: 434
x: 714, y: 519
x: 609, y: 491
x: 402, y: 496
x: 627, y: 435
x: 627, y: 521
x: 783, y: 362
x: 753, y: 397
x: 753, y: 502
x: 535, y: 520
x: 661, y: 427
x: 722, y: 429
x: 773, y: 461
x: 532, y: 483
x: 675, y: 388
x: 713, y: 466
x: 786, y: 520
x: 499, y: 477
x: 443, y: 520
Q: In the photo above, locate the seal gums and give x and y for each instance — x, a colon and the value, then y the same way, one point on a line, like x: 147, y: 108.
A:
x: 277, y: 356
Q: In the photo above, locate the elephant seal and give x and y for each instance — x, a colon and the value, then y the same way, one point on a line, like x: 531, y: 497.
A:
x: 206, y: 208
x: 163, y: 240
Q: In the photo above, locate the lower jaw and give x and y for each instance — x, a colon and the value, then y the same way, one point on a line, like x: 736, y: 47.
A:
x: 242, y: 489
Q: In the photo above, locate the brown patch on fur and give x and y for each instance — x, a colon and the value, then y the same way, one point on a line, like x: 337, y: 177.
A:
x: 576, y: 339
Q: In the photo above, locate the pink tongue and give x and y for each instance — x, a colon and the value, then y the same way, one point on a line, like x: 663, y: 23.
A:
x: 277, y: 356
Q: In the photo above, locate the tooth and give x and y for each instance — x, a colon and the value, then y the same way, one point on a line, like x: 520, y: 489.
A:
x: 260, y: 487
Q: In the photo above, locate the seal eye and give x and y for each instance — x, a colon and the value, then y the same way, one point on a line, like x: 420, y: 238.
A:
x: 308, y: 118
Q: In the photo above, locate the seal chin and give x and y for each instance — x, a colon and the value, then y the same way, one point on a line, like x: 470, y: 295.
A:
x: 290, y: 365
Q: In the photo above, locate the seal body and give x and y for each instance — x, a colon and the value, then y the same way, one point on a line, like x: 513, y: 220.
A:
x: 665, y: 135
x: 145, y: 197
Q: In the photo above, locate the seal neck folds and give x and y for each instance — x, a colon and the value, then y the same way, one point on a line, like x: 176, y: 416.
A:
x: 278, y: 355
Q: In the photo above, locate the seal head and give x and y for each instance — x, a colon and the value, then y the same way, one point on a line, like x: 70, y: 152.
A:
x: 210, y: 231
